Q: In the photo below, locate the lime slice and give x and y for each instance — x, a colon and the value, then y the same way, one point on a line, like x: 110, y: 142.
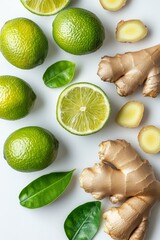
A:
x: 45, y: 7
x: 83, y: 108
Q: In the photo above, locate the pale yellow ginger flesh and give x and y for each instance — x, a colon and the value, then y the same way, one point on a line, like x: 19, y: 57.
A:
x: 149, y: 139
x: 125, y: 177
x: 131, y: 114
x: 113, y: 5
x: 130, y: 70
x: 131, y: 31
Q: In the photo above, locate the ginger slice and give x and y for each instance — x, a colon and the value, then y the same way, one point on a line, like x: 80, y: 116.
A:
x: 131, y: 114
x: 149, y: 139
x: 113, y: 5
x: 131, y: 31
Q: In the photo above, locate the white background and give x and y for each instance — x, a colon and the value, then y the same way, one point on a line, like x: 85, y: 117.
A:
x: 46, y: 223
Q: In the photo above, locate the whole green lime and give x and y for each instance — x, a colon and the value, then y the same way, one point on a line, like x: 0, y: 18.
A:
x: 78, y: 31
x: 30, y: 149
x: 23, y: 43
x: 17, y: 97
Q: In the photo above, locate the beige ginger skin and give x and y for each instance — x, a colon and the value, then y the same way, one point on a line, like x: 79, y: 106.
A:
x: 124, y: 177
x: 132, y: 69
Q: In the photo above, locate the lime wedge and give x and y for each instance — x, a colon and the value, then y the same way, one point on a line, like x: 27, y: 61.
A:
x: 45, y: 7
x: 83, y: 108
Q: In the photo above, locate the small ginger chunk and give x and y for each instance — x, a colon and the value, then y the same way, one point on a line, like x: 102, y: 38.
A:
x: 131, y: 31
x: 113, y: 5
x: 130, y: 115
x: 149, y: 139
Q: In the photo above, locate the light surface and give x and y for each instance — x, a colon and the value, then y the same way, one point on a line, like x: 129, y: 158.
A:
x: 46, y: 223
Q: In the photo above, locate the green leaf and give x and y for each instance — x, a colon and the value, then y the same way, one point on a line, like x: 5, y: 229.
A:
x: 83, y: 222
x: 59, y: 74
x: 45, y: 189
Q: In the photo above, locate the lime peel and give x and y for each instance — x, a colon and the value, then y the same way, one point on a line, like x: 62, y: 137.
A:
x: 78, y: 31
x: 30, y: 149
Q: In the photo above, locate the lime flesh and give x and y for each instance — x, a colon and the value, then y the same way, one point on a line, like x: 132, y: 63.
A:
x: 83, y: 108
x: 45, y: 7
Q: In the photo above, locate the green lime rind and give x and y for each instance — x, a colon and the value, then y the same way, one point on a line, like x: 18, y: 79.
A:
x: 56, y: 6
x: 104, y: 109
x: 78, y: 31
x: 23, y: 43
x: 17, y: 97
x: 30, y: 149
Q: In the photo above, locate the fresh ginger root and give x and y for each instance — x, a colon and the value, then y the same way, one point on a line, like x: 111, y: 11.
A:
x: 125, y: 177
x: 132, y: 69
x: 113, y: 5
x: 149, y: 139
x: 131, y: 31
x: 130, y: 115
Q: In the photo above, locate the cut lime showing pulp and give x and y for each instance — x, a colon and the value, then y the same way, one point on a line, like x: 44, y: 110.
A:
x: 45, y: 7
x: 83, y: 108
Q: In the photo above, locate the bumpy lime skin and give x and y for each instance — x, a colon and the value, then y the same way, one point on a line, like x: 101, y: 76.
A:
x: 23, y: 43
x: 78, y: 31
x: 17, y: 98
x: 30, y: 149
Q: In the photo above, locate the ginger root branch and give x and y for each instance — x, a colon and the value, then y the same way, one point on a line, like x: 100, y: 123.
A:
x: 125, y: 177
x: 128, y: 227
x: 130, y: 70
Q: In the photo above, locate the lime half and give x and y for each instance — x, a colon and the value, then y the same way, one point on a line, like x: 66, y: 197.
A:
x: 83, y: 108
x: 45, y: 7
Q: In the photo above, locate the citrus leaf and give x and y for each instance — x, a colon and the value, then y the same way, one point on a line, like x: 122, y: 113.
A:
x: 45, y: 189
x: 83, y: 222
x: 59, y: 74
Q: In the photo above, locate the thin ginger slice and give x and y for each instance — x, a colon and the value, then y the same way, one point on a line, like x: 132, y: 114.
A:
x: 113, y: 5
x: 149, y: 139
x: 131, y: 31
x: 131, y: 114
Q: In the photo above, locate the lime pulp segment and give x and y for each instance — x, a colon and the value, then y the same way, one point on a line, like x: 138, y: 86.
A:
x: 45, y: 7
x: 83, y: 108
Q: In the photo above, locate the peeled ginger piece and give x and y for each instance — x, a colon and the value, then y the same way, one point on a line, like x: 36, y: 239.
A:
x: 149, y: 139
x: 131, y: 114
x: 131, y: 31
x: 113, y: 5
